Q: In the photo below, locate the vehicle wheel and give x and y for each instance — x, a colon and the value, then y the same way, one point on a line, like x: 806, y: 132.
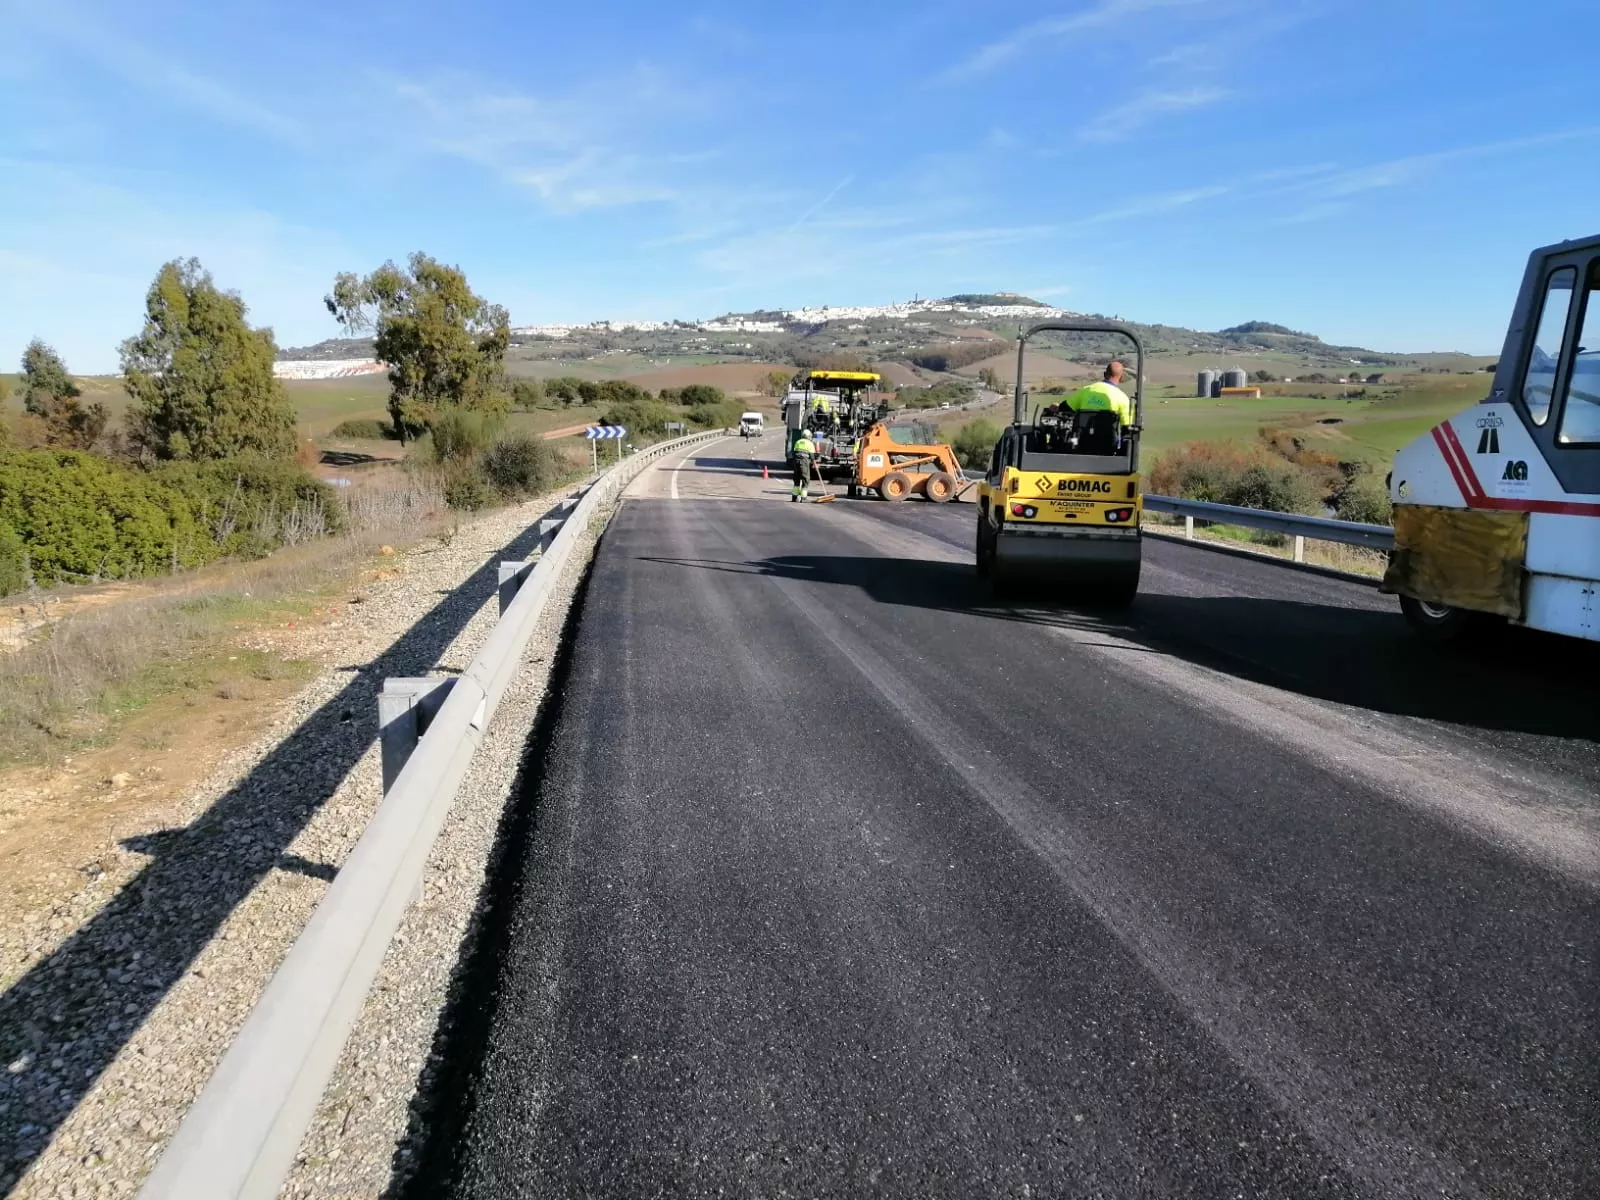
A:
x: 941, y: 486
x: 1436, y: 623
x: 1118, y: 593
x: 852, y: 491
x: 896, y: 485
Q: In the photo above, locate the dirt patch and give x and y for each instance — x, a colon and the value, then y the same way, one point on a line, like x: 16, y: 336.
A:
x: 60, y: 822
x: 730, y: 377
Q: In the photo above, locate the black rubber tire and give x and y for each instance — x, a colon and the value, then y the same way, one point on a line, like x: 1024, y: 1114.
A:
x: 939, y: 487
x: 852, y: 491
x: 983, y: 547
x: 1438, y: 624
x: 1118, y: 593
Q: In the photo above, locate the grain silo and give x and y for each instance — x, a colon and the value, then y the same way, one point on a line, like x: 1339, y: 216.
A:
x: 1203, y: 384
x: 1235, y: 378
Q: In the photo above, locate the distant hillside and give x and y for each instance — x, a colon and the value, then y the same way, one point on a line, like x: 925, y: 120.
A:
x: 927, y: 331
x: 1265, y: 327
x: 977, y: 299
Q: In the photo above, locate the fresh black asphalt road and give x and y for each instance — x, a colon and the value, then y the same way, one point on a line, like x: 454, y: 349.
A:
x: 846, y: 880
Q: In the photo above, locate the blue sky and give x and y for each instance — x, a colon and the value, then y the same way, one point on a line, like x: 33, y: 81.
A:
x: 1373, y: 172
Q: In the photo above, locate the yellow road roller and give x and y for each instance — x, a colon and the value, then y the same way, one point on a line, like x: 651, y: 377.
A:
x: 1058, y: 510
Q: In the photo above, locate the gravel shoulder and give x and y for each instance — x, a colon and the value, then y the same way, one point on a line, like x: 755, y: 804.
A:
x: 125, y: 996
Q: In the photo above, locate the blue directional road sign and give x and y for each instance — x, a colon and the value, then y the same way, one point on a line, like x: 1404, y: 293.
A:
x: 605, y: 431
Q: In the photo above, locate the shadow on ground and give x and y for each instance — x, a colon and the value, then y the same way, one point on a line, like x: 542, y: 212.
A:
x: 78, y: 1006
x: 1511, y: 680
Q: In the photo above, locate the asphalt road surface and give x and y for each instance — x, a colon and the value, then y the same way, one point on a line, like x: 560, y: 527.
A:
x: 847, y: 880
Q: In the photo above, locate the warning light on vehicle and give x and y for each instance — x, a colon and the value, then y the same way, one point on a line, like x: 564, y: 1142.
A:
x: 1023, y: 510
x: 1119, y: 514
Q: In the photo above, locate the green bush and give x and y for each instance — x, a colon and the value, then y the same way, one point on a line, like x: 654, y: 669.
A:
x: 365, y: 429
x: 697, y: 395
x: 521, y: 465
x: 82, y: 517
x: 467, y: 490
x: 641, y: 418
x: 974, y: 443
x: 1227, y: 473
x: 460, y: 434
x: 13, y: 561
x: 723, y: 415
x: 527, y: 395
x: 251, y: 506
x: 1366, y: 499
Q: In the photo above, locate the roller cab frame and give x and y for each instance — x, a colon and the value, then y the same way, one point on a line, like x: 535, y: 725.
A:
x: 1058, y: 509
x: 1497, y: 510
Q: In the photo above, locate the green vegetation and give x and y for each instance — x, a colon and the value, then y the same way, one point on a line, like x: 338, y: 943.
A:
x: 954, y: 356
x: 444, y: 345
x: 54, y: 401
x: 368, y: 429
x: 80, y: 517
x: 949, y: 391
x: 201, y: 378
x: 974, y: 443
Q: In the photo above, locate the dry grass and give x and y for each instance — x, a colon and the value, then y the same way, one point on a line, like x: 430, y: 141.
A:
x: 1336, y: 555
x: 67, y: 684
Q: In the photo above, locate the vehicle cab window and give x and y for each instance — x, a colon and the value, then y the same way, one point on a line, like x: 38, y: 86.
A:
x: 1580, y: 416
x: 1544, y: 359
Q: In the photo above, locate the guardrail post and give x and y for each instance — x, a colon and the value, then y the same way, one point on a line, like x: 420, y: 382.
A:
x: 547, y: 531
x: 1188, y: 528
x: 513, y: 574
x: 1299, y: 547
x: 406, y: 707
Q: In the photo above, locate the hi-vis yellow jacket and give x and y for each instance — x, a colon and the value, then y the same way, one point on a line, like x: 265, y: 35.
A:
x: 1102, y: 397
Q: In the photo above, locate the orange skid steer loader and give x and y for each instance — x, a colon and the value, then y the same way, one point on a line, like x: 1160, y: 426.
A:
x: 896, y: 468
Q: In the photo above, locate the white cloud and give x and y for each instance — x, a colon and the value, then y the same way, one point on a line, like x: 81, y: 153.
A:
x: 574, y: 152
x: 1395, y: 172
x: 1134, y: 114
x: 1056, y: 30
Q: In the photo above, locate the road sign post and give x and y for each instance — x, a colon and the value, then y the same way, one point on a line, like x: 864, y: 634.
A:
x: 598, y: 433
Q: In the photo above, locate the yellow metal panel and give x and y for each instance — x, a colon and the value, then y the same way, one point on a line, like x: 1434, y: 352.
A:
x: 1463, y: 557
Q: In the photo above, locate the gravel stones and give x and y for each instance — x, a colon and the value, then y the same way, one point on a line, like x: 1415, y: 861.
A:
x: 119, y: 1001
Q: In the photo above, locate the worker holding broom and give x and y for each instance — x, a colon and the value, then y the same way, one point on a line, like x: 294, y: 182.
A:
x: 801, y: 455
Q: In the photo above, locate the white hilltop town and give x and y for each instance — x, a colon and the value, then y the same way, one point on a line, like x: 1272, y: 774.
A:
x: 952, y: 311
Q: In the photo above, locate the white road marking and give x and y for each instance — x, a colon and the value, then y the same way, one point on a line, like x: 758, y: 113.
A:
x: 696, y: 450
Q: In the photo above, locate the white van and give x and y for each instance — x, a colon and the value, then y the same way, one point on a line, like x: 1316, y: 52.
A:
x: 751, y: 424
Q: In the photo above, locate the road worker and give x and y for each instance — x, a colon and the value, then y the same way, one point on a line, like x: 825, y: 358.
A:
x: 1105, y: 396
x: 804, y: 451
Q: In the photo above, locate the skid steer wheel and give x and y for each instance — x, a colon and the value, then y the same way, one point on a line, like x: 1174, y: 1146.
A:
x: 941, y: 486
x: 1437, y: 623
x: 896, y: 485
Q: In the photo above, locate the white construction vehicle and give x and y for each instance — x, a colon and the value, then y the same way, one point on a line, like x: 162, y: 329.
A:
x: 1497, y: 510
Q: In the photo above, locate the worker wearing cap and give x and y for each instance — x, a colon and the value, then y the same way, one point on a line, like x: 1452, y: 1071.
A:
x: 1105, y: 396
x: 803, y: 452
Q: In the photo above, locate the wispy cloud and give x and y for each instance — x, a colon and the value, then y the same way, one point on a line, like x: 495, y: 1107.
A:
x: 1056, y: 30
x: 1134, y: 114
x: 821, y: 204
x: 1396, y: 172
x: 1153, y: 205
x: 574, y: 152
x: 1320, y: 211
x: 153, y: 70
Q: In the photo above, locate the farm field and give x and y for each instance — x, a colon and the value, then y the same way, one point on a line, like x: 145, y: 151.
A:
x: 1368, y: 429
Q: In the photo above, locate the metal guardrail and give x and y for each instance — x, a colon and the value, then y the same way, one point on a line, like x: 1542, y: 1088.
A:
x: 239, y: 1138
x: 1323, y: 529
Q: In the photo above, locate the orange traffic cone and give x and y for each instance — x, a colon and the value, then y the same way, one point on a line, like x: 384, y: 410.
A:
x: 763, y: 470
